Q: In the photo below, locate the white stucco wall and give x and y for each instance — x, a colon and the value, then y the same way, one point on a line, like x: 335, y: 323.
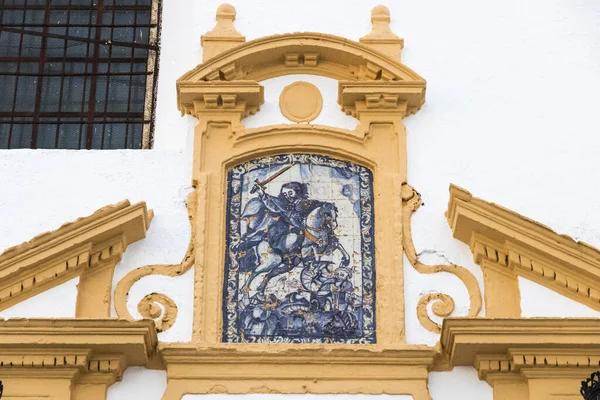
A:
x: 511, y: 115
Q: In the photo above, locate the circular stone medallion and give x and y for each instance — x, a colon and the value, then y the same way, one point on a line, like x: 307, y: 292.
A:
x: 301, y: 102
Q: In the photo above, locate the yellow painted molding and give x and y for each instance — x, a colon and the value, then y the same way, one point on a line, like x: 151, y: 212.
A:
x: 223, y: 36
x: 443, y: 305
x: 301, y: 102
x: 71, y: 359
x: 81, y: 248
x: 381, y: 37
x: 378, y: 90
x: 205, y: 99
x: 301, y: 53
x: 297, y: 369
x: 380, y: 99
x: 511, y: 242
x: 530, y: 359
x: 157, y: 306
x: 228, y: 148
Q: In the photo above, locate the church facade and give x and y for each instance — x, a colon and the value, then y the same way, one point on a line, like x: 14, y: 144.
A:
x: 329, y: 212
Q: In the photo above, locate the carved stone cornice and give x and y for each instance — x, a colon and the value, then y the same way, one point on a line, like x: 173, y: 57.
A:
x: 220, y: 99
x: 81, y: 357
x: 508, y: 241
x: 514, y: 355
x: 384, y: 101
x: 297, y: 369
x: 76, y: 248
x: 464, y: 339
x: 301, y: 53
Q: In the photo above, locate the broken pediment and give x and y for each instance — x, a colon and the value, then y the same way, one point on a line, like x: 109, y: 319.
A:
x: 89, y: 248
x: 301, y: 53
x: 229, y: 58
x: 507, y: 245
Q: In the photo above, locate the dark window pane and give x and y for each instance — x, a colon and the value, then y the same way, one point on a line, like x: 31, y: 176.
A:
x: 55, y: 46
x: 34, y: 17
x: 4, y: 130
x: 26, y: 91
x: 7, y: 83
x: 138, y: 93
x: 68, y: 137
x: 124, y: 17
x: 134, y: 136
x: 114, y: 137
x: 118, y: 93
x: 58, y: 17
x: 142, y: 35
x: 50, y: 94
x: 101, y: 91
x: 72, y: 96
x: 21, y: 136
x: 123, y: 35
x: 10, y: 43
x: 97, y: 133
x: 13, y: 17
x: 46, y: 137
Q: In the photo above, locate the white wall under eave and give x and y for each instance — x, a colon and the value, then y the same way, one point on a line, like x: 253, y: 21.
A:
x: 539, y: 301
x: 58, y: 302
x: 139, y: 383
x: 461, y: 383
x: 331, y: 114
x: 295, y: 397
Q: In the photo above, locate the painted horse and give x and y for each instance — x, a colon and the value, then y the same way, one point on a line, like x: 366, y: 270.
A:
x: 270, y: 245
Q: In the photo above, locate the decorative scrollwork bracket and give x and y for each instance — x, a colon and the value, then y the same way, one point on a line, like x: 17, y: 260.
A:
x: 157, y: 306
x: 443, y: 304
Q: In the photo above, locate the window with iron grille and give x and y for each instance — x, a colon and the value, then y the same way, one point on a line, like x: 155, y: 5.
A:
x: 78, y: 74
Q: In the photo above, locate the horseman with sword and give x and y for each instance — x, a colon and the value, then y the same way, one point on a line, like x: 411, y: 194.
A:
x: 282, y: 232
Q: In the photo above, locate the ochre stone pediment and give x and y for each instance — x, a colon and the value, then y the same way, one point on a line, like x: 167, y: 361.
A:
x: 512, y: 245
x: 88, y: 247
x: 301, y: 53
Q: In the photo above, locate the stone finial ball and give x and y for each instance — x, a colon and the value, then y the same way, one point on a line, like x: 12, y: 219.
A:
x: 380, y: 12
x: 226, y: 11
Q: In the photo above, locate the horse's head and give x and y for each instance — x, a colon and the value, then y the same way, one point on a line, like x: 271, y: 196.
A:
x: 329, y: 213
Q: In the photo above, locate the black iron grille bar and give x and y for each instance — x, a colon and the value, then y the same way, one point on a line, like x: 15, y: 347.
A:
x: 80, y: 39
x: 14, y: 102
x: 40, y: 82
x: 74, y: 7
x: 77, y: 74
x: 85, y: 121
x: 94, y: 81
x: 77, y: 25
x: 62, y: 86
x: 76, y: 59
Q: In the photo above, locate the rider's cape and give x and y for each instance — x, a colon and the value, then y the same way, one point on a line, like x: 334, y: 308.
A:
x: 262, y: 224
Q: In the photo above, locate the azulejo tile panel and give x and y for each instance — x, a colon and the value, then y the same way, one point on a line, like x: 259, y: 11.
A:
x: 300, y: 259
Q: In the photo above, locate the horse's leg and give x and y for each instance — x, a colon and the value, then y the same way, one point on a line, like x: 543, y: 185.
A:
x: 282, y: 268
x: 269, y: 259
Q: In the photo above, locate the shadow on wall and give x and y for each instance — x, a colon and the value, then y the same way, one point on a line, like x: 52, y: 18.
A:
x: 459, y: 384
x: 139, y: 383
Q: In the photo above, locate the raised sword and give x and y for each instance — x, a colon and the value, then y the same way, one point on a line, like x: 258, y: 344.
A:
x: 263, y: 184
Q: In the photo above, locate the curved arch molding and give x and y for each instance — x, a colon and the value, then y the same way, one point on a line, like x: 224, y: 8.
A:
x: 297, y: 53
x: 302, y: 53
